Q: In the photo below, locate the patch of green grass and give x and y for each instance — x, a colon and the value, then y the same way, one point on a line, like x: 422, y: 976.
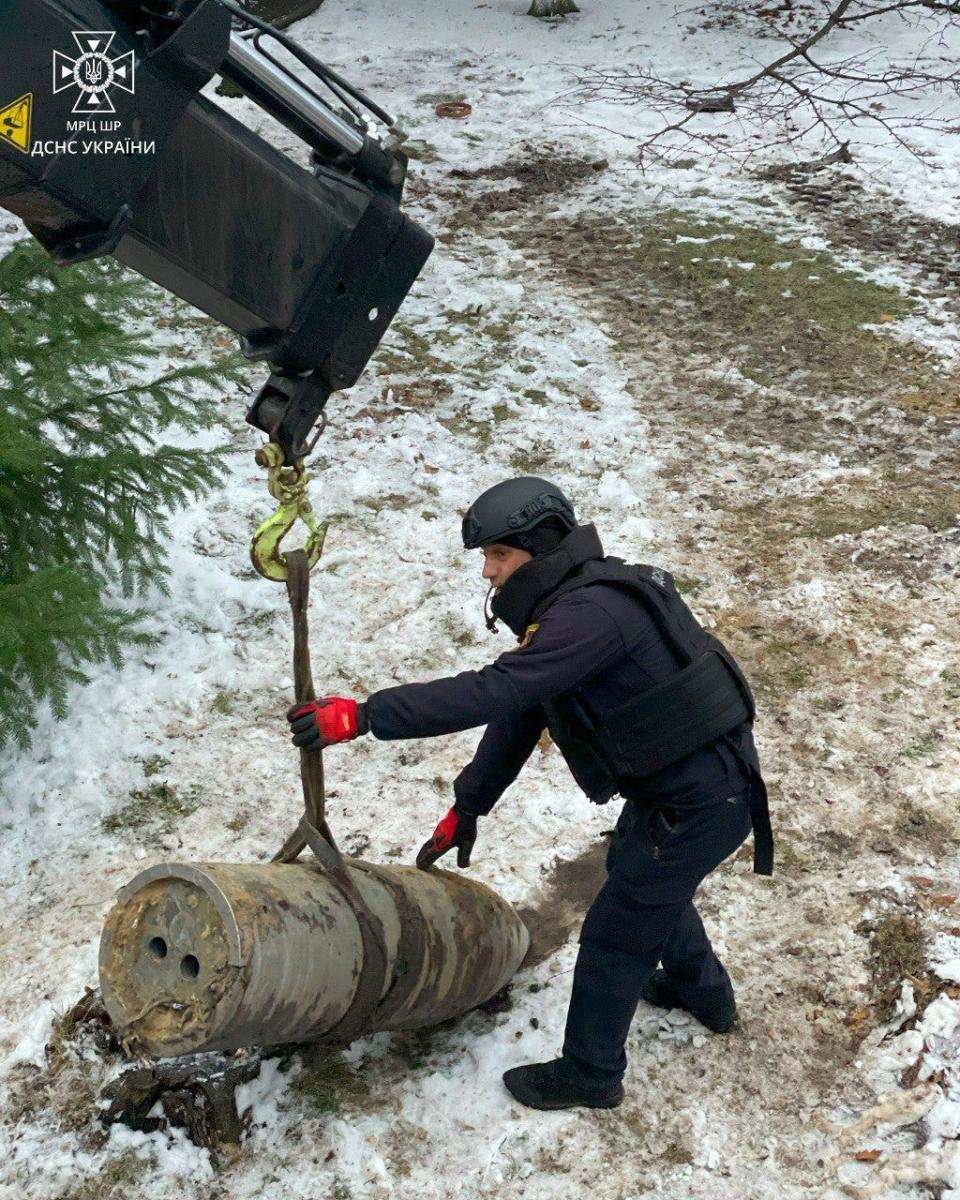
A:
x: 68, y: 1088
x: 500, y: 331
x: 465, y: 423
x: 154, y: 765
x: 483, y: 432
x: 935, y: 513
x: 924, y: 747
x: 438, y: 783
x: 500, y: 412
x: 222, y: 703
x: 796, y: 675
x: 758, y: 375
x: 532, y: 459
x: 889, y: 498
x: 778, y: 310
x: 456, y: 633
x: 158, y: 806
x: 60, y: 1049
x: 407, y: 350
x: 536, y: 395
x: 782, y: 669
x: 328, y: 1082
x: 754, y: 266
x: 471, y: 318
x: 112, y: 1182
x: 689, y: 585
x: 951, y: 683
x: 436, y: 98
x: 634, y: 1121
x: 258, y: 620
x: 75, y: 1101
x: 489, y: 339
x: 676, y: 1155
x: 420, y: 151
x: 394, y: 501
x: 65, y: 1089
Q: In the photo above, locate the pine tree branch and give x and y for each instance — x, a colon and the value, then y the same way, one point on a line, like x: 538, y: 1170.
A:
x: 86, y: 482
x: 171, y: 402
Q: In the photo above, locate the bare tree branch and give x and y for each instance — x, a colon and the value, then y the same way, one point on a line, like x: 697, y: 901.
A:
x: 801, y: 97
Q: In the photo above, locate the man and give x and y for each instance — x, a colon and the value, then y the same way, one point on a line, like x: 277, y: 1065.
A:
x: 642, y: 702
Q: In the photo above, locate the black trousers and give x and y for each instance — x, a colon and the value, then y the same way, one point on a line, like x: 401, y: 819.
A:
x: 642, y: 916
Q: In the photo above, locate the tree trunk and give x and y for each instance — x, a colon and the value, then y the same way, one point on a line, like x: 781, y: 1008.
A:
x: 551, y: 8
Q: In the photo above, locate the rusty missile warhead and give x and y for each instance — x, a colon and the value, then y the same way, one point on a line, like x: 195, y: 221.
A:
x: 218, y: 956
x: 170, y: 956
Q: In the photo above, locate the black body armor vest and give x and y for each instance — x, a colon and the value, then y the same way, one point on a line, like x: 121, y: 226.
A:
x: 706, y: 699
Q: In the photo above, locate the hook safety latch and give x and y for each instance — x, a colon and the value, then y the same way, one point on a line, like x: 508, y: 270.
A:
x: 288, y: 485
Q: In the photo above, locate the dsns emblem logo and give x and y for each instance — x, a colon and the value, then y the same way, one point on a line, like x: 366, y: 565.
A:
x: 93, y: 72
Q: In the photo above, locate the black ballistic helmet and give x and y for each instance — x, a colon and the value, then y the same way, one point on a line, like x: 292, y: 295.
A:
x: 508, y: 510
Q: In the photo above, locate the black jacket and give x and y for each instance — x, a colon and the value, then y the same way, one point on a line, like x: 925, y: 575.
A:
x: 600, y: 641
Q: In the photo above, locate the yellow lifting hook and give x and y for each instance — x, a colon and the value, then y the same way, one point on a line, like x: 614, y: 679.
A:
x: 289, y: 486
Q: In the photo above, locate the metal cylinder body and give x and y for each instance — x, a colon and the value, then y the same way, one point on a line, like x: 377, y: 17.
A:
x: 218, y: 956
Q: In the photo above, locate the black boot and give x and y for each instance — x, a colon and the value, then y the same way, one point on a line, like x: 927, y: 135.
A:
x: 718, y: 1014
x: 552, y: 1085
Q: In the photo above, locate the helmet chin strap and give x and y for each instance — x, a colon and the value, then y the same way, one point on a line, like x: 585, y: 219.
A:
x: 490, y: 619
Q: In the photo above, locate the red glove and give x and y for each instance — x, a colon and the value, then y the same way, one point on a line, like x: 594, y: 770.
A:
x: 456, y: 829
x: 319, y: 723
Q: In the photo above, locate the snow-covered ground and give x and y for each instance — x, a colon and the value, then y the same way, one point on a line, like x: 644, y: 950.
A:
x: 806, y: 489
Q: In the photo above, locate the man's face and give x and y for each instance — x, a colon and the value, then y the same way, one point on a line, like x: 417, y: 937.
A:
x: 500, y: 562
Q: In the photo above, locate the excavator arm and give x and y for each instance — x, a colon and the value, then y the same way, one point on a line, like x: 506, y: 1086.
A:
x: 108, y: 147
